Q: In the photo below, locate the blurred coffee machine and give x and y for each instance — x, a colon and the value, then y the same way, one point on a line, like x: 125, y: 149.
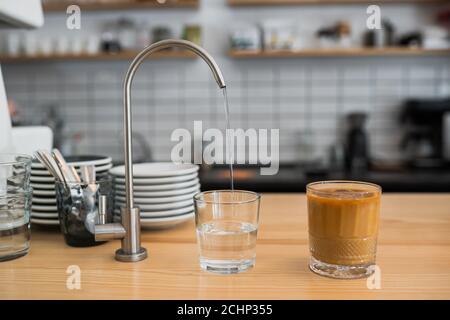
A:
x: 357, y: 144
x: 425, y: 140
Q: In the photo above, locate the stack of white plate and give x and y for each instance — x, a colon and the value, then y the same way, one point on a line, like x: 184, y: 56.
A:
x: 163, y: 191
x: 44, y: 210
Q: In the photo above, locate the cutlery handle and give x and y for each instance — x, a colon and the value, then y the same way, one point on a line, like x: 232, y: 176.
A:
x: 65, y: 169
x: 74, y: 173
x: 51, y: 166
x: 88, y: 174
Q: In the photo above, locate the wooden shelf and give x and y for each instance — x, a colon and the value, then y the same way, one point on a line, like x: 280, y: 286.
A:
x: 325, y: 2
x: 344, y: 52
x: 128, y: 55
x: 61, y: 6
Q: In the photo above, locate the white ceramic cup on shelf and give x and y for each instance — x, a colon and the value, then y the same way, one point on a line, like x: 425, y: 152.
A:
x: 46, y: 46
x: 76, y: 46
x: 30, y: 45
x: 62, y: 45
x: 92, y: 44
x: 13, y: 44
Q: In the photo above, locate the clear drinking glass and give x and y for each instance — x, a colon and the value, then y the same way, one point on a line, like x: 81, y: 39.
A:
x: 343, y: 218
x: 227, y: 225
x: 15, y: 205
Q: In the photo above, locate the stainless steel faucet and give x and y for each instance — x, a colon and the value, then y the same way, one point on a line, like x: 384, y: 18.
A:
x: 129, y: 229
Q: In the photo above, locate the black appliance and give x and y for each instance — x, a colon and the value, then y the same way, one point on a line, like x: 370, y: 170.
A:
x: 423, y: 138
x: 357, y: 143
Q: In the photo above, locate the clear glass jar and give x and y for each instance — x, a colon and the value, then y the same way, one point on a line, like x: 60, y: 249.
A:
x: 15, y: 205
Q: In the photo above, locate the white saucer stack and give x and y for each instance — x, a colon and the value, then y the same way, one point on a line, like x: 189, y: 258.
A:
x: 44, y: 210
x: 163, y: 191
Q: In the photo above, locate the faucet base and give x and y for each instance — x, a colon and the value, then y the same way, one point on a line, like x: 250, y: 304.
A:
x: 134, y: 257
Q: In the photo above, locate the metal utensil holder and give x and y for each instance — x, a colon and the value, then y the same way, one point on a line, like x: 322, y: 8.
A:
x: 81, y: 206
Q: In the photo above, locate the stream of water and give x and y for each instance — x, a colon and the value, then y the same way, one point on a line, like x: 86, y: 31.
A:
x: 230, y: 151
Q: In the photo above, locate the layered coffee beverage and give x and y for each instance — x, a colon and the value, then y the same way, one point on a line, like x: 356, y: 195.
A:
x: 343, y: 219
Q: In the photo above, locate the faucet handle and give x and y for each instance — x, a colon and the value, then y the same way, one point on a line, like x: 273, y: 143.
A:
x: 106, y: 231
x: 102, y: 209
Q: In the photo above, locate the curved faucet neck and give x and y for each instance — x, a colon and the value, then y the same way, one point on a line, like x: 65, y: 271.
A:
x: 129, y: 230
x: 164, y: 44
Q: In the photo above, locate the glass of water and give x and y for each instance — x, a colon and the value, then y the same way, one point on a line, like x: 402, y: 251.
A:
x: 15, y: 205
x: 227, y: 225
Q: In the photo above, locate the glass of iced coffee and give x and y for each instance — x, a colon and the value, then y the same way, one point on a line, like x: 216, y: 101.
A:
x: 343, y: 219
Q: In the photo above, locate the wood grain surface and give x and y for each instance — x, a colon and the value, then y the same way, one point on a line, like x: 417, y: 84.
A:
x: 413, y: 254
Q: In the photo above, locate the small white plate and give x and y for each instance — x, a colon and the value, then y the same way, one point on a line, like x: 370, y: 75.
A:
x: 80, y: 161
x: 162, y: 213
x: 163, y: 223
x: 161, y: 206
x: 151, y: 181
x: 88, y: 161
x: 40, y: 172
x: 48, y: 209
x: 38, y: 166
x: 37, y: 199
x: 167, y: 193
x: 44, y: 172
x: 44, y: 215
x: 101, y: 168
x: 156, y: 169
x: 160, y: 187
x: 37, y: 192
x: 48, y: 222
x: 42, y: 179
x: 45, y: 186
x: 146, y: 200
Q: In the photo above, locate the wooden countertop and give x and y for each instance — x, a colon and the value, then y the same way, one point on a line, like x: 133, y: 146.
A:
x: 413, y: 254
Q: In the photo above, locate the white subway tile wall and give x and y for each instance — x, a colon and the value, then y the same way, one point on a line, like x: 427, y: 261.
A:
x: 295, y: 96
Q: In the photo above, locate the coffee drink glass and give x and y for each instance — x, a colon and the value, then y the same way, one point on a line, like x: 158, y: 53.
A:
x: 343, y: 219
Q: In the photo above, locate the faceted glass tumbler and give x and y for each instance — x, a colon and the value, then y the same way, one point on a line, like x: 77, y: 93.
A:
x: 343, y: 219
x: 15, y: 223
x: 227, y: 225
x: 15, y: 171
